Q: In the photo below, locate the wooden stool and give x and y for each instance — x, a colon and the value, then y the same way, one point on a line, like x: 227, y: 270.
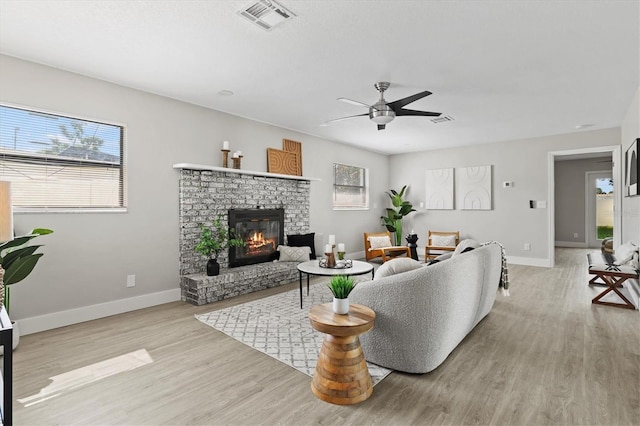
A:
x: 341, y: 375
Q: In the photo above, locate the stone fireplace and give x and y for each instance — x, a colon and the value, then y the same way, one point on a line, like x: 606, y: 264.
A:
x: 262, y: 231
x: 208, y: 192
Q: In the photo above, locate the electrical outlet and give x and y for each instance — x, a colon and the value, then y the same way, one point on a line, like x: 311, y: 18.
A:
x: 575, y: 235
x: 527, y: 246
x: 131, y: 280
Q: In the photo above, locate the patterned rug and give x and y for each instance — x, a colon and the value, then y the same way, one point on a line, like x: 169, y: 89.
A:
x: 276, y: 326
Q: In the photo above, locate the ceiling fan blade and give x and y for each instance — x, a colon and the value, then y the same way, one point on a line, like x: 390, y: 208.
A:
x: 395, y: 105
x: 403, y: 111
x: 345, y: 118
x: 381, y: 126
x: 352, y: 102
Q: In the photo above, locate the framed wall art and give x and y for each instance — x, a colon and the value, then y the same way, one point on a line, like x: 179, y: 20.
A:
x: 631, y: 170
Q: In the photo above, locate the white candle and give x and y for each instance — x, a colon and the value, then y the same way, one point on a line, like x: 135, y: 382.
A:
x: 225, y: 145
x: 235, y: 155
x: 332, y: 240
x: 239, y: 153
x: 421, y: 205
x: 341, y: 247
x: 327, y: 249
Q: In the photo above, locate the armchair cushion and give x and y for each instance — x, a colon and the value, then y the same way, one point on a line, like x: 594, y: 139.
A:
x: 443, y: 240
x: 380, y: 242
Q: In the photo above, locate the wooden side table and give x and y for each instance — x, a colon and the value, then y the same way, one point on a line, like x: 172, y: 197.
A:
x: 341, y: 375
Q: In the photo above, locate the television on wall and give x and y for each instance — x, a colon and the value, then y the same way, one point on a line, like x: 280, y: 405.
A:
x: 631, y: 170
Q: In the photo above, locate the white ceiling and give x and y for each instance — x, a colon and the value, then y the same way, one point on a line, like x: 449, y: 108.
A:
x: 502, y: 69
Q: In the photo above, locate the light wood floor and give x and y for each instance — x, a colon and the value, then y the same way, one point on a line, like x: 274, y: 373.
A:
x: 545, y: 355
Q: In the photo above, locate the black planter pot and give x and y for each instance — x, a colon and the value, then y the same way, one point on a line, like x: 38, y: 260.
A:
x: 213, y: 267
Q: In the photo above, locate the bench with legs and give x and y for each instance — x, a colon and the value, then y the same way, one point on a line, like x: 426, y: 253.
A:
x: 607, y: 273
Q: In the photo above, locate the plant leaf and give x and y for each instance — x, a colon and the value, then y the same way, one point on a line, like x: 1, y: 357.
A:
x: 21, y: 268
x: 13, y: 255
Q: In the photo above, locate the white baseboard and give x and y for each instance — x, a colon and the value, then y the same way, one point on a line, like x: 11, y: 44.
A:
x: 529, y: 261
x: 101, y: 310
x: 571, y: 244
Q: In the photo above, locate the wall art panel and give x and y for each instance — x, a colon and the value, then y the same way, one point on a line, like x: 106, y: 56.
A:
x: 439, y: 186
x: 474, y: 184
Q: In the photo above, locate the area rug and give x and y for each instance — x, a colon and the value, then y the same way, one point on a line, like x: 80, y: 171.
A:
x: 276, y: 326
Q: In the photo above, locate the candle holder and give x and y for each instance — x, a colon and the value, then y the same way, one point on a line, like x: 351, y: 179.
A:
x: 236, y: 161
x: 331, y: 259
x: 225, y: 157
x: 341, y: 255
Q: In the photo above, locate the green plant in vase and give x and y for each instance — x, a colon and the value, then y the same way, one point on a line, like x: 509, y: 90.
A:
x: 213, y: 241
x: 18, y: 260
x: 393, y: 219
x: 341, y: 287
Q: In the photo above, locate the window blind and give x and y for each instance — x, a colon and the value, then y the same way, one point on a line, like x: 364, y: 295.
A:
x: 350, y: 188
x: 61, y: 162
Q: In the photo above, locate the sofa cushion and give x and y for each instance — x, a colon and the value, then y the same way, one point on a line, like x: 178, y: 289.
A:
x: 294, y: 254
x: 303, y: 240
x: 465, y: 246
x: 441, y: 258
x: 396, y: 266
x: 379, y: 242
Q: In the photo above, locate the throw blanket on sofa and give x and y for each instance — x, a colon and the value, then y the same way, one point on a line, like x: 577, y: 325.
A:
x: 504, y: 276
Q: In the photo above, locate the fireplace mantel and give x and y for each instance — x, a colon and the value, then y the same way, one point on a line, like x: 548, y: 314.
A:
x: 190, y: 166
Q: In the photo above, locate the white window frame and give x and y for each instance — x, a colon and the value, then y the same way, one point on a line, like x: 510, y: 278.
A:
x: 366, y: 189
x: 123, y: 195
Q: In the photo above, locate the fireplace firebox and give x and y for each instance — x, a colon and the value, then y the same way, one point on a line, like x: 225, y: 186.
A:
x: 262, y: 231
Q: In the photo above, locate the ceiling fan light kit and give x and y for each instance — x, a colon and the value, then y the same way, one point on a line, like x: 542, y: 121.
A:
x: 383, y: 112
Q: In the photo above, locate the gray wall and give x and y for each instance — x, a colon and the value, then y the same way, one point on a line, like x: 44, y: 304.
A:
x: 512, y: 222
x: 570, y: 197
x: 89, y: 256
x: 630, y: 130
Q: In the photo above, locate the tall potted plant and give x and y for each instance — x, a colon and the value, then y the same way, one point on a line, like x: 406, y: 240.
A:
x: 401, y: 208
x: 17, y: 260
x: 213, y: 241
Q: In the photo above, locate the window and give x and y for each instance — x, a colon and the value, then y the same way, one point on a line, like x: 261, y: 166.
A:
x: 61, y: 163
x: 350, y: 187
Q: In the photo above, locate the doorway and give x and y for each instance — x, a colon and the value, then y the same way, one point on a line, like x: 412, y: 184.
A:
x: 599, y: 207
x: 614, y: 151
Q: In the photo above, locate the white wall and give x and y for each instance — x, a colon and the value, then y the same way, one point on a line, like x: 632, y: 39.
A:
x: 630, y: 131
x: 511, y: 221
x: 89, y: 256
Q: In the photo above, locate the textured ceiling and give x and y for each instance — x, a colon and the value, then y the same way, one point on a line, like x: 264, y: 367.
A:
x: 502, y: 69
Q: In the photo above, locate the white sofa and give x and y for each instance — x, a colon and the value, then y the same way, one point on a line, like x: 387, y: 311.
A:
x: 423, y: 313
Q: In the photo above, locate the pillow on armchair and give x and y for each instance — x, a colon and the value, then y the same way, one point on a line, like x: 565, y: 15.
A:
x: 380, y: 242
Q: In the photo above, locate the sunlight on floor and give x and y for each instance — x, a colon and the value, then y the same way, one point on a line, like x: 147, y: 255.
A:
x: 89, y: 374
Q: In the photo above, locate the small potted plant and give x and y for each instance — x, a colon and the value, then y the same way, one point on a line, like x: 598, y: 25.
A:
x: 213, y: 241
x: 341, y: 286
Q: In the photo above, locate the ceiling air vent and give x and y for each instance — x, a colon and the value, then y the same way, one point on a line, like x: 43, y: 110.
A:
x: 266, y: 14
x: 442, y: 119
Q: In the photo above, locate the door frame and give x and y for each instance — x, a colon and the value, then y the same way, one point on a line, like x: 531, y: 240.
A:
x: 616, y: 172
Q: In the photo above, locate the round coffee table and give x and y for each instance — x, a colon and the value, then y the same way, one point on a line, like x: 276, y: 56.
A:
x: 312, y: 267
x: 341, y: 375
